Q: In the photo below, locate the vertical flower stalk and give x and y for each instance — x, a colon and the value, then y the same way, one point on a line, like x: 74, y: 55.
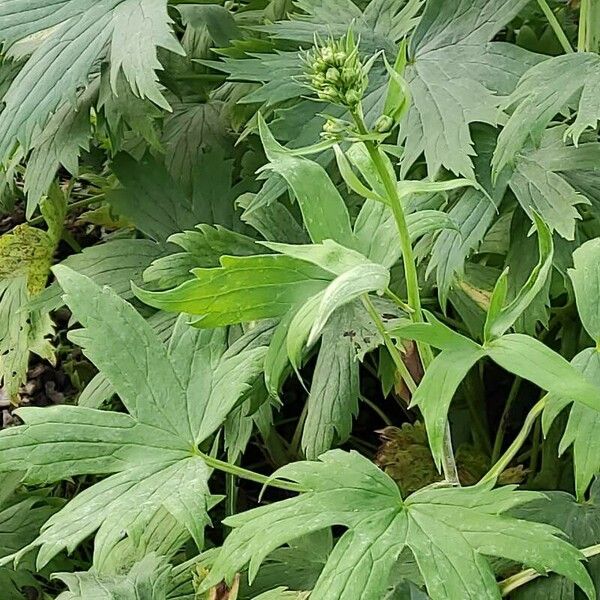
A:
x: 337, y: 75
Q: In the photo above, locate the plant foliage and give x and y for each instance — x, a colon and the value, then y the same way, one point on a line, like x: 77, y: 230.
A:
x: 299, y: 299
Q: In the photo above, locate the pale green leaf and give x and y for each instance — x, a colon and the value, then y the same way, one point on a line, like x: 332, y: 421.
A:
x: 455, y: 75
x: 243, y: 289
x: 451, y: 532
x: 580, y: 521
x: 583, y: 425
x: 61, y: 141
x: 437, y: 388
x: 133, y: 49
x: 323, y: 209
x: 115, y: 263
x: 544, y: 91
x: 147, y: 579
x: 77, y: 34
x: 531, y: 359
x: 176, y: 398
x: 328, y: 255
x: 586, y: 283
x: 501, y: 318
x: 333, y: 397
x: 473, y: 214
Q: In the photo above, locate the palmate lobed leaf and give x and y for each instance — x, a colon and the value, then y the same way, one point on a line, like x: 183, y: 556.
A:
x: 455, y: 77
x: 176, y: 398
x: 78, y: 34
x: 449, y: 531
x: 544, y: 91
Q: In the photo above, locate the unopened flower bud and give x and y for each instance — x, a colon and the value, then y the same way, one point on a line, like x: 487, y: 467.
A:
x: 384, y: 124
x: 340, y: 58
x: 332, y: 75
x: 353, y: 97
x: 336, y: 73
x: 327, y: 54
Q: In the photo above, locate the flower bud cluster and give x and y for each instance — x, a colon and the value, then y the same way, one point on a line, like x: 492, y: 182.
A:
x: 336, y: 73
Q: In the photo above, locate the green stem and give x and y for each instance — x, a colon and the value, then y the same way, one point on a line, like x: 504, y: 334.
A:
x: 535, y: 450
x: 493, y: 474
x: 398, y: 301
x: 510, y: 584
x: 231, y: 493
x: 512, y: 395
x: 582, y: 39
x: 410, y: 271
x: 389, y: 344
x: 558, y: 31
x: 226, y: 467
x: 71, y: 206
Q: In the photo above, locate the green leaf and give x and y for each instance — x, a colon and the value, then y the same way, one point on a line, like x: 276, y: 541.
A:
x: 160, y: 207
x: 449, y: 531
x: 147, y: 579
x: 309, y: 321
x: 501, y: 318
x: 377, y: 234
x: 333, y: 399
x: 133, y: 49
x: 21, y: 516
x: 243, y: 289
x: 539, y: 183
x: 531, y: 359
x: 176, y: 398
x: 579, y: 521
x: 473, y: 214
x: 350, y: 285
x: 544, y: 91
x: 126, y: 114
x: 583, y: 424
x: 438, y: 386
x: 202, y: 247
x: 328, y: 255
x: 115, y: 263
x: 296, y: 565
x: 76, y: 36
x: 61, y: 141
x: 521, y: 260
x: 323, y: 209
x: 455, y: 75
x: 586, y: 283
x: 192, y: 130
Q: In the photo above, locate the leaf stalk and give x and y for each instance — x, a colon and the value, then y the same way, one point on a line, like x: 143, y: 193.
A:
x: 493, y: 474
x: 226, y: 467
x: 558, y: 30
